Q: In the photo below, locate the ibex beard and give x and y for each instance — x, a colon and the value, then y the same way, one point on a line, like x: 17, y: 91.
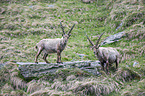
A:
x: 53, y: 46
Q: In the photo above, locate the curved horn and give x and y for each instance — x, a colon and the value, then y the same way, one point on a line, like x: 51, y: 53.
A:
x: 99, y: 38
x: 90, y: 40
x: 71, y: 29
x: 62, y: 28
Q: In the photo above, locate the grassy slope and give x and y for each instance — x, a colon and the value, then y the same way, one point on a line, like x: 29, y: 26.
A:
x: 23, y: 24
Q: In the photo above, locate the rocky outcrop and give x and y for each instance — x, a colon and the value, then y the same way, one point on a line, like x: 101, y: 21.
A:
x: 113, y: 38
x: 30, y: 70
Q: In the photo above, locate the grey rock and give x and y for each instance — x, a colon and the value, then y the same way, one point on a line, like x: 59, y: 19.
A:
x: 119, y: 25
x: 29, y: 70
x: 135, y: 64
x: 88, y: 1
x: 51, y: 6
x: 113, y: 38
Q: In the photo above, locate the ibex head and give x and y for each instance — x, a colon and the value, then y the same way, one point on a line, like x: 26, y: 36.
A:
x: 97, y: 45
x: 64, y: 35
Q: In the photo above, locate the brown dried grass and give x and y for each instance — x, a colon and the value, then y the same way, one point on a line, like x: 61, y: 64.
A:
x: 95, y: 87
x: 126, y: 75
x: 36, y: 86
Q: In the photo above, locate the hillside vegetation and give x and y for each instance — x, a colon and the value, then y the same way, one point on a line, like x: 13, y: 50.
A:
x: 25, y: 23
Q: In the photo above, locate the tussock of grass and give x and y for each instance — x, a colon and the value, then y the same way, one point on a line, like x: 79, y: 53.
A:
x: 71, y: 77
x: 58, y: 85
x: 126, y: 75
x: 136, y: 33
x: 4, y: 77
x: 18, y: 93
x: 34, y: 86
x: 135, y: 89
x: 128, y: 14
x: 95, y: 87
x: 18, y: 83
x: 49, y: 92
x: 6, y: 89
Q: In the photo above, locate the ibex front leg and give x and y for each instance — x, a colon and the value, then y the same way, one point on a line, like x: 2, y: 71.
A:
x: 102, y: 64
x: 58, y: 56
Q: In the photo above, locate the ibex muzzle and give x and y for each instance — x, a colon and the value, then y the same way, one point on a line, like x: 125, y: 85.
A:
x: 106, y: 55
x: 53, y: 45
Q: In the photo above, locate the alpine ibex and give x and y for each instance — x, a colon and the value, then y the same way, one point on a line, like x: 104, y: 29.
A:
x: 53, y: 45
x: 106, y: 55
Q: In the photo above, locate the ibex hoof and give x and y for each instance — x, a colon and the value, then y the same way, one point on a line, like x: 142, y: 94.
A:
x: 108, y: 73
x: 59, y: 62
x: 36, y: 62
x: 47, y: 62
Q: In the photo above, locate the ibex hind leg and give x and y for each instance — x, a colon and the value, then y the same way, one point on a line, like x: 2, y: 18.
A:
x: 117, y: 62
x: 107, y: 67
x: 38, y: 53
x: 44, y: 57
x: 102, y: 64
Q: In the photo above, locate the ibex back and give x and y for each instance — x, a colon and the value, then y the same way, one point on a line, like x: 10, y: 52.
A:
x: 53, y: 45
x: 106, y: 55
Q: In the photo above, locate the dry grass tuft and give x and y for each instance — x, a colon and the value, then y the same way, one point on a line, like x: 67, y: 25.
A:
x: 57, y: 85
x: 34, y: 86
x: 133, y: 48
x: 126, y: 93
x: 18, y: 83
x: 41, y: 92
x: 127, y: 12
x: 134, y: 2
x: 70, y: 78
x: 6, y: 89
x: 136, y: 33
x: 4, y: 75
x: 48, y: 92
x: 138, y: 89
x: 126, y: 75
x: 95, y: 87
x: 15, y: 80
x: 18, y: 93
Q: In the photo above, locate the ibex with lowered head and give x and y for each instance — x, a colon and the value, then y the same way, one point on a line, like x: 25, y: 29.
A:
x: 53, y: 45
x: 106, y: 55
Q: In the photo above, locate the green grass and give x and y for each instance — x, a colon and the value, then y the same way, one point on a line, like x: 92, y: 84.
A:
x: 25, y: 23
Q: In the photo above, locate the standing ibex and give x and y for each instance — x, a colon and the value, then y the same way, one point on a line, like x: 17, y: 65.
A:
x: 106, y: 55
x: 53, y: 45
